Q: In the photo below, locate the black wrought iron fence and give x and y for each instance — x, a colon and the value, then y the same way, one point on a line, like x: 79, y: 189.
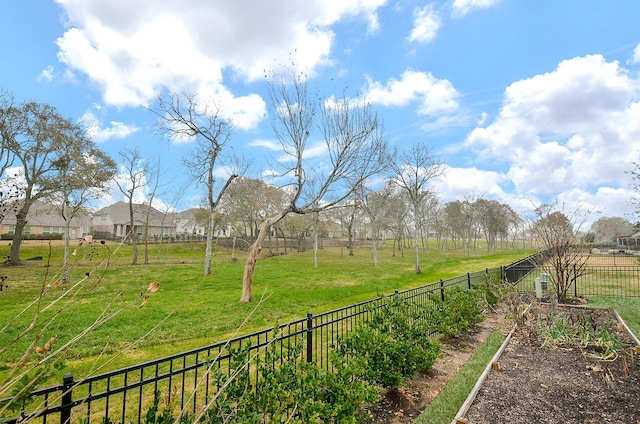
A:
x: 523, y: 268
x: 591, y: 281
x: 185, y: 379
x: 607, y: 281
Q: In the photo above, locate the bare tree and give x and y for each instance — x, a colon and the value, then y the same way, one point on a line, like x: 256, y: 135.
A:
x: 609, y: 229
x: 354, y: 145
x: 375, y: 205
x: 154, y: 175
x: 348, y: 215
x: 398, y: 217
x: 135, y: 178
x: 414, y: 172
x: 183, y: 117
x: 557, y: 233
x: 494, y: 219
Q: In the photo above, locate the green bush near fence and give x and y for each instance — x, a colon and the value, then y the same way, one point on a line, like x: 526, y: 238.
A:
x: 278, y: 385
x: 458, y: 312
x: 394, y: 344
x: 282, y: 387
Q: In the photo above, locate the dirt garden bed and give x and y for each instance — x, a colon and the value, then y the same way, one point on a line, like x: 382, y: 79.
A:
x: 562, y: 365
x: 532, y: 383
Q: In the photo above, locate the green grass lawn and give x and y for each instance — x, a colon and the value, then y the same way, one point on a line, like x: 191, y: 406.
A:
x: 190, y: 310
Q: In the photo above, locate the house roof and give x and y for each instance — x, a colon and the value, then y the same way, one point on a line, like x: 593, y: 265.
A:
x: 46, y: 214
x: 119, y: 214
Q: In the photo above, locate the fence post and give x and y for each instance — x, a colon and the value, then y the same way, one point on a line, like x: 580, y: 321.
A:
x: 309, y: 337
x: 575, y: 281
x: 486, y: 277
x: 442, y: 289
x: 469, y: 281
x: 67, y: 397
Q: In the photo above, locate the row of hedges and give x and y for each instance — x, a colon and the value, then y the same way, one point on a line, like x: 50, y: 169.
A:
x: 28, y: 236
x: 280, y: 386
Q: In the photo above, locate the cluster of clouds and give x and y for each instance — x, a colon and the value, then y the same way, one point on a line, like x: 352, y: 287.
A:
x: 573, y: 130
x: 132, y: 50
x: 577, y: 125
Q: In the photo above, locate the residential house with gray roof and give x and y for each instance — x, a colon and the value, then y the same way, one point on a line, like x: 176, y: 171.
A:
x: 45, y: 219
x: 113, y: 222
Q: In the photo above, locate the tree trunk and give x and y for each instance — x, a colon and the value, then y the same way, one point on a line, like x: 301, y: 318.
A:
x: 252, y: 255
x: 65, y: 260
x: 315, y: 249
x: 233, y: 250
x: 134, y: 242
x: 417, y: 250
x: 21, y: 222
x: 209, y: 248
x: 252, y: 258
x: 315, y: 241
x: 146, y: 243
x: 350, y: 238
x: 374, y: 249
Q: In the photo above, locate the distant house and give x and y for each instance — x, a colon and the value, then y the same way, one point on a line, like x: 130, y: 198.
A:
x: 193, y: 223
x: 45, y: 219
x: 113, y: 222
x: 632, y: 240
x: 190, y: 223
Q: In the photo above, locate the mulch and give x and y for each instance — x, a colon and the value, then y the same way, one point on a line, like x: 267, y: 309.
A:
x: 538, y: 382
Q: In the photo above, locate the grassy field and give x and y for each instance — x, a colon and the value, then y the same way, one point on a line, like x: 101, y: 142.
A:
x: 190, y: 310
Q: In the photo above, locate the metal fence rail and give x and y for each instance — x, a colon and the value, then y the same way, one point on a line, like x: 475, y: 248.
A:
x: 591, y: 281
x: 521, y: 269
x: 607, y: 281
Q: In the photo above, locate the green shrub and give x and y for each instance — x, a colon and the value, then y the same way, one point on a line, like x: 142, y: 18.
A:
x: 393, y: 345
x: 458, y: 312
x: 285, y: 387
x: 494, y: 290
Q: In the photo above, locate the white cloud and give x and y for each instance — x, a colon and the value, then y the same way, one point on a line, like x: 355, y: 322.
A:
x: 98, y: 133
x: 458, y: 183
x: 46, y: 74
x: 267, y: 144
x: 245, y: 112
x: 433, y: 95
x: 605, y: 201
x: 426, y: 23
x: 635, y: 57
x: 132, y: 50
x: 462, y: 7
x: 574, y: 128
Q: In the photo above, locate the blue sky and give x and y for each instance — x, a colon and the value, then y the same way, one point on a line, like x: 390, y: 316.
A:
x: 525, y: 101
